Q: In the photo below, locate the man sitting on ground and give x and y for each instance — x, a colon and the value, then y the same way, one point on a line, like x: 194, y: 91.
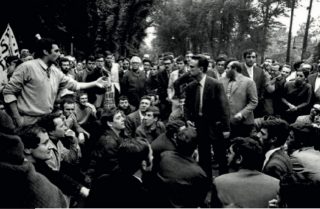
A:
x: 151, y: 127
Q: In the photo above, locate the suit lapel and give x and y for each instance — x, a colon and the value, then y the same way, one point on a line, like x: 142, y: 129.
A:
x: 205, y: 91
x: 313, y: 81
x: 245, y: 71
x: 256, y: 73
x: 236, y: 85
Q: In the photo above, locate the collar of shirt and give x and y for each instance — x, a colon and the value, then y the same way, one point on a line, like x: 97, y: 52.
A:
x: 139, y: 179
x: 141, y: 116
x: 42, y: 64
x: 203, y: 80
x: 268, y: 155
x: 249, y: 68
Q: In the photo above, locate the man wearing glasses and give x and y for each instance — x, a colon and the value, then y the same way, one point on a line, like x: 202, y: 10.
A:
x: 251, y: 70
x: 34, y: 85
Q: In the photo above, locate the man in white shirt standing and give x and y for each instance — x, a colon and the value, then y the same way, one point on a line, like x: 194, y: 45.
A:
x: 251, y: 70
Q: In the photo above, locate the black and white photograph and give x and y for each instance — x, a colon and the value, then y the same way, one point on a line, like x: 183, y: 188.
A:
x: 160, y: 104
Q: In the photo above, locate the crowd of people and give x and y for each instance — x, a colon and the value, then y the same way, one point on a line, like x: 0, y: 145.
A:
x: 179, y: 131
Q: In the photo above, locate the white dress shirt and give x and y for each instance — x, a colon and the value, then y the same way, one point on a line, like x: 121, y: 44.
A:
x: 250, y: 71
x: 202, y: 83
x: 317, y: 83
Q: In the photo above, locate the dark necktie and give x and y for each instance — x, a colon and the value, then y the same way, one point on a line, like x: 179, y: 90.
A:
x: 198, y: 93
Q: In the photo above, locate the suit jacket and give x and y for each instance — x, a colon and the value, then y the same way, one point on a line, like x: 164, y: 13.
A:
x: 215, y: 106
x: 278, y: 165
x: 315, y: 95
x: 119, y: 190
x: 243, y: 98
x: 245, y: 189
x: 183, y: 181
x: 162, y: 79
x: 259, y: 78
x: 104, y: 156
x: 132, y: 122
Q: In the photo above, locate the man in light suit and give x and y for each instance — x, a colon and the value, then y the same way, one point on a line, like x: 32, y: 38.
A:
x: 206, y: 107
x: 255, y: 73
x: 245, y: 187
x: 242, y: 95
x: 314, y: 80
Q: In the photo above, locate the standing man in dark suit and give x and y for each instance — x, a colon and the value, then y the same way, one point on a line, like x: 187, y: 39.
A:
x: 251, y: 70
x: 314, y: 80
x: 207, y: 108
x: 242, y: 95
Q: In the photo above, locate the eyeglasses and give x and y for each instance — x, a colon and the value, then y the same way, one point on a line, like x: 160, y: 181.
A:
x: 250, y: 57
x: 167, y: 63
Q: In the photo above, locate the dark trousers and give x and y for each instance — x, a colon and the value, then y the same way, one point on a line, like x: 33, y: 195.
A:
x: 209, y: 137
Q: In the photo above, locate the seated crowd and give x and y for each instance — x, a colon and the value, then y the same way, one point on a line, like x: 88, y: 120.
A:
x: 186, y: 131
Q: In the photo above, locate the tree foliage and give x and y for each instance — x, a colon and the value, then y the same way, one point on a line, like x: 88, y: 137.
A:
x: 217, y: 26
x: 92, y: 25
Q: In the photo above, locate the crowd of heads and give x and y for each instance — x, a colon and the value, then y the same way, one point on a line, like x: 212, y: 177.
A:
x: 135, y: 153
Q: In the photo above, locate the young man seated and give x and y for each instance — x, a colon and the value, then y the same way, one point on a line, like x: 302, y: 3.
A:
x: 37, y: 151
x: 125, y: 187
x: 84, y: 111
x: 125, y: 106
x: 57, y: 130
x: 151, y: 127
x: 103, y: 159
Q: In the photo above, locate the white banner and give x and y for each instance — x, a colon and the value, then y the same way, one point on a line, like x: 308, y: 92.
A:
x: 8, y: 46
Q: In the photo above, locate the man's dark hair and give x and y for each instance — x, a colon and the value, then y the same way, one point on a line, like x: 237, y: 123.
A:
x: 43, y: 44
x: 147, y: 60
x: 63, y: 59
x: 305, y: 72
x: 181, y: 59
x: 168, y: 58
x: 67, y: 100
x: 155, y: 111
x: 219, y: 59
x: 145, y: 97
x: 29, y: 135
x: 277, y: 128
x: 186, y: 141
x: 47, y: 122
x: 121, y: 58
x: 107, y: 53
x: 99, y: 56
x: 237, y: 66
x: 230, y: 60
x: 123, y: 98
x: 304, y: 134
x: 250, y: 151
x: 202, y: 62
x: 173, y: 127
x: 131, y: 154
x: 248, y: 52
x: 297, y: 65
x: 91, y: 58
x: 108, y: 114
